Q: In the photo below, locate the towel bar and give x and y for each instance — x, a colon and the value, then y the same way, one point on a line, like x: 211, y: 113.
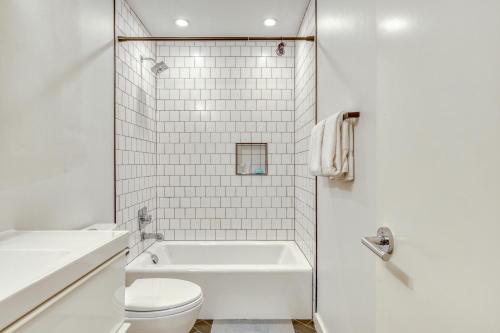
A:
x: 350, y: 115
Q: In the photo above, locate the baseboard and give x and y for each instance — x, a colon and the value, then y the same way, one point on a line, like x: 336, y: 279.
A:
x: 318, y: 324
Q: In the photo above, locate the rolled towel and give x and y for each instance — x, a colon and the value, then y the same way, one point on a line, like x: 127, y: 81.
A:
x: 315, y: 144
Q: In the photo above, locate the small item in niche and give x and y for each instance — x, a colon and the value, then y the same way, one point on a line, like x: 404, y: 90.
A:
x: 244, y: 169
x: 259, y: 171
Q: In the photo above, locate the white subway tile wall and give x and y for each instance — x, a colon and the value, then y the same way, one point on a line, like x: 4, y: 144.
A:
x: 214, y: 95
x: 175, y: 145
x: 305, y: 119
x: 135, y: 128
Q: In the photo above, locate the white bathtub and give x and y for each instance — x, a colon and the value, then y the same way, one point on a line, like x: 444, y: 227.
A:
x: 240, y: 280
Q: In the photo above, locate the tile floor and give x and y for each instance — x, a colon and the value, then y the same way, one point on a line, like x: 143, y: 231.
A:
x: 300, y: 326
x: 304, y: 326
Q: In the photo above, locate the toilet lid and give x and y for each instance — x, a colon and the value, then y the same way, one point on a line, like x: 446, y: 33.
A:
x: 160, y: 294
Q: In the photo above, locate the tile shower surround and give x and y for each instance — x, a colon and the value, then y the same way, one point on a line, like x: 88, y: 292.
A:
x: 229, y: 90
x: 305, y: 119
x: 135, y: 128
x: 214, y: 95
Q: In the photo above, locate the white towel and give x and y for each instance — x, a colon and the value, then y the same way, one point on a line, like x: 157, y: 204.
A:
x: 347, y: 157
x: 315, y: 144
x: 350, y: 173
x: 337, y: 152
x: 331, y: 160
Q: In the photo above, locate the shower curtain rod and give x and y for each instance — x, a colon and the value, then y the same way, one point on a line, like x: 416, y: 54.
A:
x: 236, y: 38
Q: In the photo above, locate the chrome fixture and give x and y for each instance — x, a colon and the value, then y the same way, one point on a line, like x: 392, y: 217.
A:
x: 154, y: 257
x: 143, y: 218
x: 382, y: 244
x: 151, y: 235
x: 158, y: 67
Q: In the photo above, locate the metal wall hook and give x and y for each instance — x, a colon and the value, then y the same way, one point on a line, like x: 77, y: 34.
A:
x: 382, y: 244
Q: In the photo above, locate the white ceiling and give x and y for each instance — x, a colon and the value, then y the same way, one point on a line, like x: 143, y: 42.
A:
x: 220, y: 17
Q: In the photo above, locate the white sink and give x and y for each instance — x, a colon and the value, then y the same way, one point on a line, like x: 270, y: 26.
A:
x: 19, y: 267
x: 35, y: 265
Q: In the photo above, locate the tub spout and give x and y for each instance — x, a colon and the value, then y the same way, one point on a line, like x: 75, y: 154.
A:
x: 154, y: 257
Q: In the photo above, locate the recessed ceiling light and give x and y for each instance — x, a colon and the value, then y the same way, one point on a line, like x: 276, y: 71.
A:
x: 270, y: 22
x: 182, y: 23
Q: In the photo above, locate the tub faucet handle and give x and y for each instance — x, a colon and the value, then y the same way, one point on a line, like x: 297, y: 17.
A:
x: 144, y: 218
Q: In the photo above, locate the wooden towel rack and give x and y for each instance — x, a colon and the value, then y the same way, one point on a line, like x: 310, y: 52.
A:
x: 350, y: 115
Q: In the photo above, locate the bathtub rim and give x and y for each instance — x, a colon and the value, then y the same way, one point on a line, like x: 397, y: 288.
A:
x: 302, y: 265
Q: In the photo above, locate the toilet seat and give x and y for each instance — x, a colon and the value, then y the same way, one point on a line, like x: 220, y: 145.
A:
x: 154, y: 298
x: 162, y: 313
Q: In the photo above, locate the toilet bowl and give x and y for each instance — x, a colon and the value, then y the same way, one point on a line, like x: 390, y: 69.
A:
x: 162, y: 305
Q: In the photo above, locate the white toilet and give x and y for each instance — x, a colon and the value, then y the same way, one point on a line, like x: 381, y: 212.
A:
x: 162, y: 305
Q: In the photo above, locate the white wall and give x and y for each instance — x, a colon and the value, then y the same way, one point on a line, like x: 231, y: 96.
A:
x: 439, y: 161
x: 346, y: 81
x: 56, y: 113
x: 433, y: 70
x: 305, y: 119
x: 135, y: 128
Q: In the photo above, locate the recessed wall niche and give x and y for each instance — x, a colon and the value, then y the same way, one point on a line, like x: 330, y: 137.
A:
x: 251, y: 159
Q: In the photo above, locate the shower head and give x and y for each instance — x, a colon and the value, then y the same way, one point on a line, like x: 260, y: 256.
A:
x: 158, y: 67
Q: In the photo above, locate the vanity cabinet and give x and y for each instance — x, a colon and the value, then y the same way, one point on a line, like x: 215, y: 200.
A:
x: 92, y: 304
